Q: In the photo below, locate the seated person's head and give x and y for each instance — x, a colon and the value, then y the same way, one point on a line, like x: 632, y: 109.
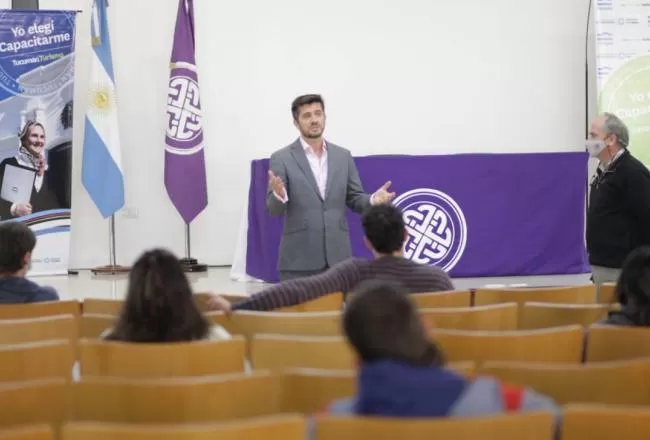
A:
x: 17, y: 243
x: 382, y: 323
x: 383, y: 229
x: 633, y: 286
x: 159, y: 305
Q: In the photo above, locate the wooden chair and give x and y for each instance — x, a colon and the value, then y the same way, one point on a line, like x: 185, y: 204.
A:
x: 605, y: 422
x: 32, y: 432
x: 529, y: 426
x: 175, y: 400
x: 134, y: 360
x: 203, y: 298
x: 562, y: 344
x: 279, y: 427
x: 42, y: 401
x: 93, y: 325
x: 536, y: 315
x: 607, y: 293
x: 464, y: 368
x: 328, y: 303
x: 97, y: 306
x: 453, y: 298
x: 39, y: 309
x: 566, y: 295
x: 284, y: 323
x: 601, y: 382
x: 613, y: 343
x: 19, y: 331
x: 36, y: 360
x: 494, y: 317
x: 307, y: 391
x: 278, y: 352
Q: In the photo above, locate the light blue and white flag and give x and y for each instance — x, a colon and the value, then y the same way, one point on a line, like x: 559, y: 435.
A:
x: 101, y: 172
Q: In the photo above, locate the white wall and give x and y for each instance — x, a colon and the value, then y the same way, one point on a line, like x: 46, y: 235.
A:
x: 398, y: 77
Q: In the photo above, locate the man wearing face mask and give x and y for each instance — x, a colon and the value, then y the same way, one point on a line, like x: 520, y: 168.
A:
x: 618, y: 219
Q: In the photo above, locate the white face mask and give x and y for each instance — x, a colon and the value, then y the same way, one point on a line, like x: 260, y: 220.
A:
x: 595, y: 147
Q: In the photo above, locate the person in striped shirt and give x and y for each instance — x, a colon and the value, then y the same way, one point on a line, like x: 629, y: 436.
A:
x: 384, y: 235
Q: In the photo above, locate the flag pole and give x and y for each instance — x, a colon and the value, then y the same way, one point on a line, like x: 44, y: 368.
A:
x: 191, y: 264
x: 112, y: 268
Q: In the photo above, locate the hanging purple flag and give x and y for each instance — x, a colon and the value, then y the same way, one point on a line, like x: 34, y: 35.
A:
x: 184, y: 160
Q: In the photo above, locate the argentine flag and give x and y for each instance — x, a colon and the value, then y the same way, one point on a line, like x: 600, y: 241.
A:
x: 101, y: 171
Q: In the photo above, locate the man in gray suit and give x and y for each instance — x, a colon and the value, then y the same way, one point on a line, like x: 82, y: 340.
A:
x: 311, y: 182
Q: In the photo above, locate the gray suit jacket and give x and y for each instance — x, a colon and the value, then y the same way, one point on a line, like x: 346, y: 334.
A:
x: 315, y: 231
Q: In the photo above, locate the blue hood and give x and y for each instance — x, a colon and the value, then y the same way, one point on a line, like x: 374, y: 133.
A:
x: 394, y: 389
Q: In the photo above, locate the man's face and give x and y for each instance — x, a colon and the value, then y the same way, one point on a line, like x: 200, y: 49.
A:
x: 311, y: 121
x: 598, y: 134
x: 35, y: 141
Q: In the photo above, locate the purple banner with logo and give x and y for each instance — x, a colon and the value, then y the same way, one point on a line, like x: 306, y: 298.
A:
x: 184, y: 160
x: 475, y: 215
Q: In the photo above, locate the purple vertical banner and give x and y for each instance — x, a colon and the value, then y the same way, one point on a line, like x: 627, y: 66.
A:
x: 184, y: 159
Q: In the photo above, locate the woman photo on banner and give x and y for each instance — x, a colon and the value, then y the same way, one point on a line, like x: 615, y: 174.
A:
x: 29, y: 170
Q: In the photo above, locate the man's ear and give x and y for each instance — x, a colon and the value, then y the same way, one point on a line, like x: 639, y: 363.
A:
x: 27, y: 259
x: 367, y: 243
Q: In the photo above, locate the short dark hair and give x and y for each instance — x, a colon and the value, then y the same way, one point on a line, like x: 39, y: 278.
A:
x: 383, y: 226
x: 633, y: 286
x: 16, y: 240
x: 382, y: 322
x: 305, y: 100
x: 159, y: 305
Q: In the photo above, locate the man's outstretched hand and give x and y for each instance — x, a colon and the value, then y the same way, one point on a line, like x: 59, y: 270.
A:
x: 382, y: 195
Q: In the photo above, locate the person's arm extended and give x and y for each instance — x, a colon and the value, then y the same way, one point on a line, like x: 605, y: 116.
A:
x: 340, y: 278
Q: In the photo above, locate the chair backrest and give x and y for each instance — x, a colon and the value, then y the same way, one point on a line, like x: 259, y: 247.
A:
x: 607, y: 293
x: 602, y: 382
x: 198, y: 358
x: 36, y: 360
x: 34, y: 402
x: 175, y: 400
x: 102, y: 306
x: 613, y: 343
x: 567, y: 295
x: 562, y: 344
x: 284, y: 323
x: 19, y: 331
x: 605, y: 422
x: 277, y: 352
x: 529, y: 426
x: 31, y: 432
x: 536, y: 315
x: 279, y: 427
x: 93, y: 325
x: 39, y: 309
x: 328, y: 303
x: 306, y: 390
x: 452, y: 298
x: 493, y: 317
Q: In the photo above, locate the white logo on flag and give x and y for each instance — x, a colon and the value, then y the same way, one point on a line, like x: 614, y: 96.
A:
x: 436, y: 226
x: 183, y: 109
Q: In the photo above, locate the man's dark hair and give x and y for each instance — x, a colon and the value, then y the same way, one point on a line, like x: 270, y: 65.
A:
x: 381, y: 322
x: 16, y: 240
x: 305, y: 100
x: 383, y: 226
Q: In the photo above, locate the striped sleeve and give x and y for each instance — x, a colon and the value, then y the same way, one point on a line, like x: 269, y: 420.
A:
x: 340, y: 278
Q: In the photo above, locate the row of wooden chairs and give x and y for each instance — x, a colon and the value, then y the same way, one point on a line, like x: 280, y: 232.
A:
x: 208, y: 400
x: 586, y: 294
x: 277, y: 352
x: 499, y: 317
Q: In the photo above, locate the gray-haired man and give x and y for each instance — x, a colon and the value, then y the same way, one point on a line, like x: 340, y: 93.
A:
x: 618, y: 219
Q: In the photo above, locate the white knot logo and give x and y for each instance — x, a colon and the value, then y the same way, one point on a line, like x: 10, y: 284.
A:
x: 183, y: 109
x: 436, y: 227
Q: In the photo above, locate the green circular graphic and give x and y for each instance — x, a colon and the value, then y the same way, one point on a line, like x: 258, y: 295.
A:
x: 627, y: 95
